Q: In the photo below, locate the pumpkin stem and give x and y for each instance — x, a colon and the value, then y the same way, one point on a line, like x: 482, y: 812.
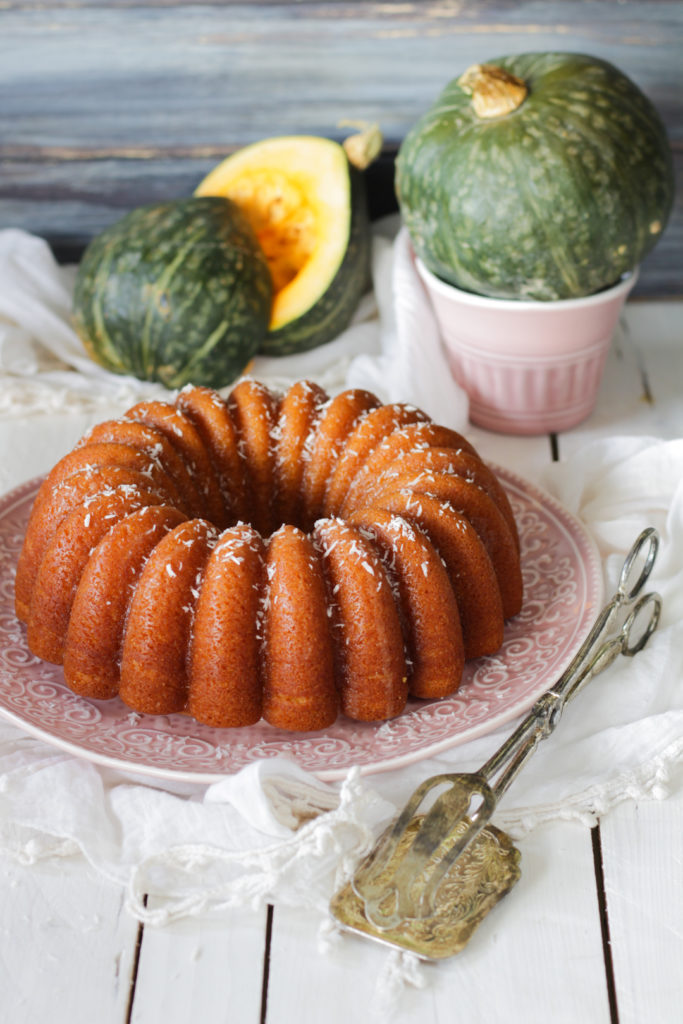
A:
x: 494, y: 91
x: 363, y: 148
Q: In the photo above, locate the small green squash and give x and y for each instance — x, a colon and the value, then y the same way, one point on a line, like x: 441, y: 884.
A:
x: 176, y: 292
x: 306, y: 202
x: 539, y: 176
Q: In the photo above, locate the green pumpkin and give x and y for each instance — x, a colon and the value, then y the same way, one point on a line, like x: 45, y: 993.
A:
x: 540, y: 176
x: 306, y: 201
x: 177, y: 292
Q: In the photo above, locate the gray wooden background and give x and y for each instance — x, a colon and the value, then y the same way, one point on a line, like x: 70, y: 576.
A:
x: 108, y: 104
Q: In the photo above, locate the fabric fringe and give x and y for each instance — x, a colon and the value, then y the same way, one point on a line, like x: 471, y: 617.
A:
x: 292, y: 872
x: 655, y: 780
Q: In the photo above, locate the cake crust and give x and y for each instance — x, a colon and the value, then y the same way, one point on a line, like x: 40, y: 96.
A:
x: 289, y: 556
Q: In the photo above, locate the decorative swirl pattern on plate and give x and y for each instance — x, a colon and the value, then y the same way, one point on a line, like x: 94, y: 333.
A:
x: 563, y: 592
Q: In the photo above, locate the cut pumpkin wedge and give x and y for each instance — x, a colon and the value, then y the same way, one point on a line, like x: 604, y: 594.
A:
x: 307, y: 206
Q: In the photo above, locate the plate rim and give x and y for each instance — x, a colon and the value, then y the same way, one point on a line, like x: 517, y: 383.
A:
x: 592, y: 568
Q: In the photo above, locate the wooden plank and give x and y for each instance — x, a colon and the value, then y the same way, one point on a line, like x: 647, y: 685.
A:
x: 89, y: 129
x: 528, y: 457
x: 649, y: 348
x: 642, y: 848
x: 70, y: 200
x: 640, y: 391
x: 207, y: 969
x: 67, y: 946
x: 509, y: 971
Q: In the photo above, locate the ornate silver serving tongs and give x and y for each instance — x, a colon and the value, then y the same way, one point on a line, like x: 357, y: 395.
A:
x: 398, y: 886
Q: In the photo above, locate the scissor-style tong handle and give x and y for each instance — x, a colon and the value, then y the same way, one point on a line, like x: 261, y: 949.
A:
x: 623, y: 627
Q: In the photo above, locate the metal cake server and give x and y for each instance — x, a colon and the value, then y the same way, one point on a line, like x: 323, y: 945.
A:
x: 434, y: 874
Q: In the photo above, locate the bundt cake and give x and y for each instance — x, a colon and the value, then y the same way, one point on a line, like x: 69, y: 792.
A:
x: 290, y: 557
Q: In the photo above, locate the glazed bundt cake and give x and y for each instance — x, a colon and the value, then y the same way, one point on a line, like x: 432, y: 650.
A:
x: 288, y: 557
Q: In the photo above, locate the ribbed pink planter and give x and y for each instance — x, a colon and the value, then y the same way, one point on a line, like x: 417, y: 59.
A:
x: 528, y: 367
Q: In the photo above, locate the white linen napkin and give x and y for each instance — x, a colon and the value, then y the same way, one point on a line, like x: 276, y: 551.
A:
x: 272, y: 832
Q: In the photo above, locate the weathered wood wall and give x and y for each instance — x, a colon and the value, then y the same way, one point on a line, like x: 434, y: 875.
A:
x: 107, y: 104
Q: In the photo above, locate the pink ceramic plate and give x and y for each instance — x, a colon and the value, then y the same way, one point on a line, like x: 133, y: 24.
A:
x: 563, y: 592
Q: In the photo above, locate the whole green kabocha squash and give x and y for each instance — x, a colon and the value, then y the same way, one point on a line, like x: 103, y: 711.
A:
x: 540, y: 176
x: 177, y: 292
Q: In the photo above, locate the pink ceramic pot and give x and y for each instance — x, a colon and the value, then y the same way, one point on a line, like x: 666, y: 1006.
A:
x: 528, y: 367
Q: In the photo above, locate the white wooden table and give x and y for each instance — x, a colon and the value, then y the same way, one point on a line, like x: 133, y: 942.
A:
x: 593, y: 931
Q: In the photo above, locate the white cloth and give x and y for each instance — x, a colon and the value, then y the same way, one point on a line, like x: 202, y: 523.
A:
x: 272, y: 833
